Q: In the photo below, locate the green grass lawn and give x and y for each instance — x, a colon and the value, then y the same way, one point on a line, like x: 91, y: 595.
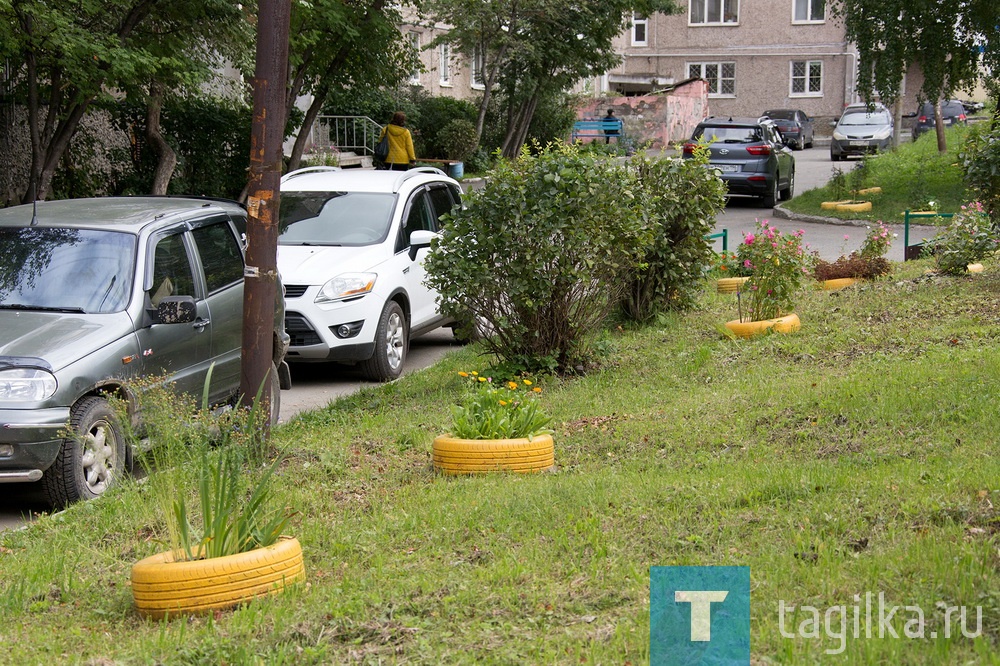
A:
x: 910, y: 177
x: 856, y: 456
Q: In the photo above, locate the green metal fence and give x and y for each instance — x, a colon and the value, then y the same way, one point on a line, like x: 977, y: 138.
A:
x: 724, y: 235
x: 914, y: 251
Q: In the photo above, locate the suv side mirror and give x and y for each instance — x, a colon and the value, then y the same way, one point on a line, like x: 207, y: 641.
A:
x: 418, y: 239
x: 176, y: 310
x: 833, y: 123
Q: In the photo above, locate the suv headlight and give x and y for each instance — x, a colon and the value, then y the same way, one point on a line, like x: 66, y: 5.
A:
x: 346, y: 285
x: 26, y: 385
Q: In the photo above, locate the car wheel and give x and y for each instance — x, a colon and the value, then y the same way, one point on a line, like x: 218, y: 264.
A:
x: 771, y: 198
x: 90, y: 461
x: 835, y: 158
x: 391, y: 344
x: 789, y: 191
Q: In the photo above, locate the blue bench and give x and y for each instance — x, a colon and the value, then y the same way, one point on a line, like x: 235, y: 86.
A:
x: 595, y: 128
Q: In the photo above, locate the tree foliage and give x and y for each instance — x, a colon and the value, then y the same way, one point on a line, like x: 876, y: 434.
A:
x: 945, y: 38
x: 529, y: 47
x: 70, y: 54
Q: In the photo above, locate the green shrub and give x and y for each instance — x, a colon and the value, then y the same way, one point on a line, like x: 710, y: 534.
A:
x: 680, y: 199
x: 536, y: 256
x: 458, y: 139
x: 970, y: 237
x: 980, y: 161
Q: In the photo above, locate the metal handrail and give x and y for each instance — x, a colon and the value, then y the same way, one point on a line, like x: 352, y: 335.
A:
x: 724, y: 235
x: 907, y: 216
x: 357, y: 134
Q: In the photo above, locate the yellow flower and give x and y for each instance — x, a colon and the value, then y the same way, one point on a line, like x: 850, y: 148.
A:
x: 527, y: 382
x: 475, y: 374
x: 511, y: 385
x: 463, y: 374
x: 503, y: 402
x: 482, y: 379
x: 537, y: 389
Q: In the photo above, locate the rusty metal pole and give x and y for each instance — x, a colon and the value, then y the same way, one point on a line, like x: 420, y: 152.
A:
x: 267, y: 135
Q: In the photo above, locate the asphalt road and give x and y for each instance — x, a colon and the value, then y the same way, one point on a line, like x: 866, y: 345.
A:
x: 315, y: 385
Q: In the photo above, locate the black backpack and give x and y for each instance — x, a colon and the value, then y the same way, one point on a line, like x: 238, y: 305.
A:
x: 382, y: 147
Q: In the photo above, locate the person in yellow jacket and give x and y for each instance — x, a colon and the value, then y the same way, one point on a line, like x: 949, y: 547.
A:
x: 401, y: 154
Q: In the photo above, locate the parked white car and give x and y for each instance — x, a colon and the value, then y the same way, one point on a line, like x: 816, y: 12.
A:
x: 351, y: 246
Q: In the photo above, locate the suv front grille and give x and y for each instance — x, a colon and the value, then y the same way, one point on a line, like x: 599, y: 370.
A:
x: 295, y: 290
x: 300, y: 331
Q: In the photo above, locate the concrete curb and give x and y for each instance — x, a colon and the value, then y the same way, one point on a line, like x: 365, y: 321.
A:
x: 783, y: 213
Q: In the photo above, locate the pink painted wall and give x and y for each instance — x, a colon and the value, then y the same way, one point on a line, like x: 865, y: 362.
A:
x: 663, y: 119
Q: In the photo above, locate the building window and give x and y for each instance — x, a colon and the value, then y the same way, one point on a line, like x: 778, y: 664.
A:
x: 414, y: 39
x: 721, y: 77
x: 809, y: 11
x: 714, y: 12
x: 807, y: 78
x: 639, y: 25
x: 444, y: 66
x: 478, y: 66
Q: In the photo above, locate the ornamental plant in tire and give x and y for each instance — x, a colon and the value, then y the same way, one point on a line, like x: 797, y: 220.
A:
x: 497, y: 426
x: 776, y: 262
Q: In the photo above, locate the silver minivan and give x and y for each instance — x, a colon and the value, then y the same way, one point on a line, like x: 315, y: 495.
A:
x: 95, y: 292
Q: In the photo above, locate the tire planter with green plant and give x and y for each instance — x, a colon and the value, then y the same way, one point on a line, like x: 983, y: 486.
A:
x: 163, y: 585
x: 747, y: 329
x: 453, y: 455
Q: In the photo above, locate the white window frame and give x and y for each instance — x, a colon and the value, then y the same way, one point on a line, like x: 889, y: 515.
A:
x: 637, y: 21
x: 444, y: 65
x: 702, y: 66
x: 414, y: 38
x: 477, y: 69
x: 805, y: 78
x: 809, y: 20
x: 702, y: 20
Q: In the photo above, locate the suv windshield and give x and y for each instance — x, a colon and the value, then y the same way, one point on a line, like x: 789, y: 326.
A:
x: 728, y: 134
x: 334, y: 218
x: 862, y: 117
x: 70, y: 270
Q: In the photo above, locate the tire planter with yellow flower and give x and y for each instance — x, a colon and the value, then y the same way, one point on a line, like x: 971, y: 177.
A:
x: 471, y: 456
x: 836, y: 284
x: 747, y: 329
x: 729, y: 285
x: 164, y: 586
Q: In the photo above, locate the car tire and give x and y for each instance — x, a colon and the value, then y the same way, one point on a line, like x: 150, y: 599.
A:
x: 771, y: 198
x: 789, y: 191
x: 835, y: 158
x: 90, y: 461
x: 392, y: 341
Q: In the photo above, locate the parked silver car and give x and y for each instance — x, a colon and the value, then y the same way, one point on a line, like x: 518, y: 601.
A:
x: 94, y: 292
x: 862, y: 129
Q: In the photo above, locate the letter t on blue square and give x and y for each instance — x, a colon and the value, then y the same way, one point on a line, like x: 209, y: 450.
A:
x: 699, y: 616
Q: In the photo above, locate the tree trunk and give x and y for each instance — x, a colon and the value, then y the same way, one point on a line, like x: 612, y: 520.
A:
x: 295, y: 159
x: 167, y: 157
x: 57, y: 146
x: 942, y: 144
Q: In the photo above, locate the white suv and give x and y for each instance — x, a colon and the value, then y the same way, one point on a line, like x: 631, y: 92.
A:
x: 350, y: 252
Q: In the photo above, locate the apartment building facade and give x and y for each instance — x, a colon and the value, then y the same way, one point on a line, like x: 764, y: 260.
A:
x: 754, y: 54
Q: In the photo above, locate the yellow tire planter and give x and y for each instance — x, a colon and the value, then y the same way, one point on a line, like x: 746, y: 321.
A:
x: 472, y: 456
x: 854, y: 207
x: 974, y: 268
x: 870, y: 190
x: 747, y: 329
x: 162, y: 586
x: 836, y: 284
x: 832, y: 205
x: 729, y: 285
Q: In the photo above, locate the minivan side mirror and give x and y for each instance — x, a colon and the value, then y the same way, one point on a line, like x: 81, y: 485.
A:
x: 176, y: 310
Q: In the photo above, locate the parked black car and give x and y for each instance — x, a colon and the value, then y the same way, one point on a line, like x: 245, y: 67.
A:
x: 795, y: 126
x: 750, y: 156
x: 952, y: 113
